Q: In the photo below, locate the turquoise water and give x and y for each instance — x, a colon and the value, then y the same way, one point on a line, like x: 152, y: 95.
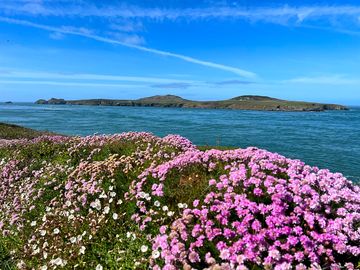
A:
x: 327, y: 139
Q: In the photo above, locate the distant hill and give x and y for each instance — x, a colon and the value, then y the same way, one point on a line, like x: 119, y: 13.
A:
x: 247, y: 102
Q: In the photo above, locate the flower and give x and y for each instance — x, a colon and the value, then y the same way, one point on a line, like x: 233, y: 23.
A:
x: 106, y: 210
x: 157, y: 203
x: 82, y: 250
x: 99, y: 267
x: 180, y: 205
x: 115, y: 216
x: 155, y: 254
x: 96, y: 204
x: 144, y: 248
x: 73, y: 240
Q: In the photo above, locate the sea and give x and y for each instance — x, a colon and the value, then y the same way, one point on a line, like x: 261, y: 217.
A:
x: 329, y: 139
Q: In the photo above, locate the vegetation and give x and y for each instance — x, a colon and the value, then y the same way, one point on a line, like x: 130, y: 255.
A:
x: 134, y: 201
x: 9, y: 131
x: 239, y: 103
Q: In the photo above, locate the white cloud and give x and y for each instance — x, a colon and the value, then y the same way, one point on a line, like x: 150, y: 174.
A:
x: 83, y: 9
x: 57, y: 36
x: 69, y: 84
x: 86, y: 77
x: 127, y: 38
x: 70, y: 31
x: 127, y: 26
x: 329, y: 80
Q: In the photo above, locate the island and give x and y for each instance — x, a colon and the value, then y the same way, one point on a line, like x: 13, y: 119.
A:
x: 247, y: 102
x: 8, y: 102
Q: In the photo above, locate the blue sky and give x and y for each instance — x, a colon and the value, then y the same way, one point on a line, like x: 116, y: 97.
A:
x: 300, y: 50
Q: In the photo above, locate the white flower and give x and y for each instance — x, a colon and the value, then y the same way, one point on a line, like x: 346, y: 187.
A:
x: 119, y: 202
x: 155, y: 254
x: 157, y: 203
x: 73, y: 240
x: 56, y: 231
x: 142, y: 194
x: 115, y: 216
x: 111, y: 188
x: 170, y: 213
x: 20, y: 264
x: 44, y: 267
x: 33, y: 223
x: 96, y: 204
x: 128, y: 234
x: 165, y: 208
x: 68, y: 203
x: 180, y: 205
x: 82, y: 250
x: 99, y: 267
x: 57, y: 261
x: 42, y: 232
x: 112, y: 194
x: 47, y: 209
x: 144, y: 248
x: 106, y: 209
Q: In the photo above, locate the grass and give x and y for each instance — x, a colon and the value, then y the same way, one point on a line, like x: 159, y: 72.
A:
x: 10, y: 131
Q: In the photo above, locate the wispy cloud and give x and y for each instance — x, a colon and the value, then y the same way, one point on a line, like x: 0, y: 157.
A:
x: 329, y: 80
x: 128, y: 38
x: 57, y: 36
x: 6, y: 73
x: 233, y: 82
x: 127, y: 26
x: 69, y: 84
x: 173, y: 85
x: 70, y: 31
x: 83, y: 9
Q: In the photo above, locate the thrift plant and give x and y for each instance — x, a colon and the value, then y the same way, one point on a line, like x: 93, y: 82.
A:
x: 137, y: 201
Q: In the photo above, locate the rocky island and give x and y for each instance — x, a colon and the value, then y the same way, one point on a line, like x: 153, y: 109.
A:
x: 248, y: 102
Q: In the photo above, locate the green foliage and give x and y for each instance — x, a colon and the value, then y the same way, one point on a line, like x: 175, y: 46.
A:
x: 8, y: 131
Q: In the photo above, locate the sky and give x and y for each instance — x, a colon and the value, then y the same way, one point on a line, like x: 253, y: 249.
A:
x: 200, y: 50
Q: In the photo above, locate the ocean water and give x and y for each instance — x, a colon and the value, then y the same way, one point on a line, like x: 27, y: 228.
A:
x: 327, y: 139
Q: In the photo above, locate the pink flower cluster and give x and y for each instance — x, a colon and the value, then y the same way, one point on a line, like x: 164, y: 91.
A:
x: 264, y: 210
x: 79, y: 193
